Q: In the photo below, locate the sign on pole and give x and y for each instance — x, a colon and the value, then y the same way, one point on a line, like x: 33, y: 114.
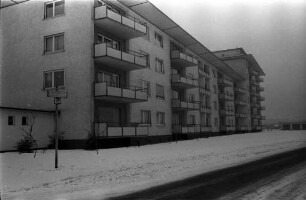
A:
x: 57, y: 93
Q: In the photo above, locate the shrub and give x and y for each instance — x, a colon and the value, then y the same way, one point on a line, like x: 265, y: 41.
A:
x: 25, y: 144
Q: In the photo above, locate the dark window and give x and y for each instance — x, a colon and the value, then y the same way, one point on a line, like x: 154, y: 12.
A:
x: 24, y: 121
x: 11, y: 120
x: 54, y: 79
x: 54, y: 43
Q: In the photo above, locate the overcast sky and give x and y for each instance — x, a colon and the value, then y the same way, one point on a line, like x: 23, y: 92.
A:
x: 274, y: 31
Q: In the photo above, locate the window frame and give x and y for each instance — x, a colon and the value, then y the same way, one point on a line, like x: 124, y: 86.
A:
x: 26, y: 121
x: 53, y: 9
x: 13, y: 120
x: 161, y: 86
x: 53, y: 79
x: 53, y: 36
x: 157, y: 60
x: 159, y: 43
x: 163, y: 118
x: 142, y: 114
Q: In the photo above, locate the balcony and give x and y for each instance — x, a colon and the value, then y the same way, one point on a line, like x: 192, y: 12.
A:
x: 226, y: 97
x: 186, y: 129
x: 241, y: 115
x: 128, y: 94
x: 240, y: 90
x: 260, y: 79
x: 205, y: 90
x: 263, y: 117
x: 186, y: 82
x: 120, y: 60
x: 205, y: 109
x: 182, y: 60
x: 261, y: 89
x: 242, y: 128
x: 227, y: 128
x: 261, y: 98
x: 125, y: 27
x: 205, y: 128
x: 227, y: 112
x: 225, y: 82
x: 257, y: 128
x: 241, y: 102
x: 184, y: 105
x: 204, y: 73
x: 262, y: 108
x: 106, y: 130
x: 256, y: 116
x: 254, y: 82
x: 255, y: 105
x: 254, y: 93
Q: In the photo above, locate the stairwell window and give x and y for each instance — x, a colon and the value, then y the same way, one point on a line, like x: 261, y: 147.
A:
x: 54, y: 9
x: 160, y: 91
x: 54, y: 78
x: 159, y: 65
x: 160, y: 118
x: 54, y: 43
x: 159, y: 40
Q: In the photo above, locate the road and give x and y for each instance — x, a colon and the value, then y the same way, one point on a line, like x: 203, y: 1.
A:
x: 279, y: 177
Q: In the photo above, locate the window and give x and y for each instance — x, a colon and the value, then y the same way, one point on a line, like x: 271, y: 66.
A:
x: 146, y: 85
x: 159, y: 65
x: 11, y: 120
x: 159, y: 40
x: 146, y: 117
x: 160, y: 91
x: 206, y: 69
x: 191, y: 98
x: 109, y: 42
x: 55, y: 8
x: 54, y: 43
x: 216, y: 122
x: 24, y: 121
x: 53, y: 79
x: 215, y: 105
x: 110, y: 78
x: 192, y: 119
x: 160, y: 118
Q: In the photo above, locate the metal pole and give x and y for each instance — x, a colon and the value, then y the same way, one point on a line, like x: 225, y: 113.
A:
x: 56, y: 132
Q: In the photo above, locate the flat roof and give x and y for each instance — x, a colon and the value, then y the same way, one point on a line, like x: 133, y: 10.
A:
x: 26, y: 109
x: 249, y: 57
x: 151, y: 13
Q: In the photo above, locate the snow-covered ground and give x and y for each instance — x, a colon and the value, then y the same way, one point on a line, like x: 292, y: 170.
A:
x: 88, y: 175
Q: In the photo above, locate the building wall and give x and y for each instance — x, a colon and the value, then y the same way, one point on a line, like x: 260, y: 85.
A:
x: 24, y: 61
x: 11, y: 134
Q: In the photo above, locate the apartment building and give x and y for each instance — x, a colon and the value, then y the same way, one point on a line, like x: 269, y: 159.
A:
x: 248, y: 96
x: 133, y: 76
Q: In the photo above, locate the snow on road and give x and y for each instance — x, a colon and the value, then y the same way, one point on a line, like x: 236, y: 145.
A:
x: 88, y: 175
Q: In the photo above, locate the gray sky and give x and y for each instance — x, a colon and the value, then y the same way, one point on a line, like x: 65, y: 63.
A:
x: 274, y: 31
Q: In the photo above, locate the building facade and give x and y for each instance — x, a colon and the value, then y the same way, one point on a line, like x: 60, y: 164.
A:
x: 133, y: 76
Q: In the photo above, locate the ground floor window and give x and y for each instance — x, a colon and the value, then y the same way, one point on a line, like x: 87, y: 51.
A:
x: 146, y: 117
x: 24, y: 121
x: 160, y: 118
x: 11, y: 120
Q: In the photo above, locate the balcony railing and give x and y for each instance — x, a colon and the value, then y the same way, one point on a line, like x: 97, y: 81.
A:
x: 204, y: 73
x: 205, y: 108
x: 241, y: 102
x: 185, y: 105
x: 126, y: 60
x: 186, y: 129
x: 240, y: 90
x: 205, y: 90
x: 132, y: 130
x: 206, y: 128
x: 179, y: 59
x: 227, y: 112
x: 260, y: 79
x: 226, y: 97
x: 184, y: 82
x: 261, y: 89
x: 261, y: 98
x: 124, y: 94
x: 227, y: 128
x: 125, y: 27
x: 241, y: 115
x: 225, y: 82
